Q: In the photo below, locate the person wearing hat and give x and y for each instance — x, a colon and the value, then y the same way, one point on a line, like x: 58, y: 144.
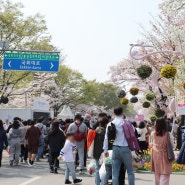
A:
x: 68, y: 154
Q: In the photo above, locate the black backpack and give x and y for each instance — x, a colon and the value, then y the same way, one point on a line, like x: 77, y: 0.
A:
x: 111, y: 135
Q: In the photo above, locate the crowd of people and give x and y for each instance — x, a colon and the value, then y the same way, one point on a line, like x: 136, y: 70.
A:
x: 28, y: 141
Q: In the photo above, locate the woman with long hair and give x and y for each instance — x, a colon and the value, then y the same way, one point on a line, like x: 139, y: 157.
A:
x: 55, y: 140
x: 142, y: 131
x: 3, y: 140
x: 15, y: 146
x: 161, y: 165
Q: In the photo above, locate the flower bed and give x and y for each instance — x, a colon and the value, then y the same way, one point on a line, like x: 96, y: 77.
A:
x: 145, y: 165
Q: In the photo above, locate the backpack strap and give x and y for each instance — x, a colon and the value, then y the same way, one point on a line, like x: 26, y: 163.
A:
x: 78, y: 127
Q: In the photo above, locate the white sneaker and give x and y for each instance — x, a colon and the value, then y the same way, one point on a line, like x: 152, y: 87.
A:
x: 29, y: 163
x: 81, y: 172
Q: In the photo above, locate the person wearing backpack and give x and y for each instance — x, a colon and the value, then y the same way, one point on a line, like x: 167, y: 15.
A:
x: 121, y: 151
x: 43, y: 131
x: 80, y: 133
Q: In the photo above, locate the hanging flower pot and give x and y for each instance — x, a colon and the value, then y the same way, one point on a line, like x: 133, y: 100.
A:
x: 121, y: 94
x: 159, y: 113
x: 4, y: 100
x: 153, y: 119
x: 150, y: 96
x: 144, y: 71
x: 146, y: 104
x: 134, y: 91
x: 124, y: 101
x: 168, y: 71
x: 134, y: 100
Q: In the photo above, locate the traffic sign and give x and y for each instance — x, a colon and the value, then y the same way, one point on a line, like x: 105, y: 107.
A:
x: 40, y: 62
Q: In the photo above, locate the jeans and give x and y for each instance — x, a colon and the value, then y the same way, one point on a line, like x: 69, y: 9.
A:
x: 40, y: 149
x: 70, y: 167
x: 122, y: 175
x: 122, y: 155
x: 80, y: 148
x: 108, y: 174
x: 97, y: 175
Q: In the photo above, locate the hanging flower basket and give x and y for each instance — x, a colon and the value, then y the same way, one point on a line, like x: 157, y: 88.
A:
x: 134, y: 100
x: 168, y: 71
x: 153, y: 119
x: 134, y: 91
x: 124, y: 101
x: 159, y: 113
x: 121, y: 94
x: 4, y: 100
x: 150, y: 96
x: 144, y: 71
x: 146, y: 104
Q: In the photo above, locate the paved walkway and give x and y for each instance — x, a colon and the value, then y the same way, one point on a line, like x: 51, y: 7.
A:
x: 39, y: 175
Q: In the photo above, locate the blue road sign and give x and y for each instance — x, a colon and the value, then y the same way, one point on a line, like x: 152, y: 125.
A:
x: 31, y: 62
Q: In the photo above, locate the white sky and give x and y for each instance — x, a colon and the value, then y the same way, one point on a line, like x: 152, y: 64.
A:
x: 95, y: 34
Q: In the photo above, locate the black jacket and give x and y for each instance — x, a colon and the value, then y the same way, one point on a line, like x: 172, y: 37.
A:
x: 55, y: 140
x: 3, y: 139
x: 98, y: 142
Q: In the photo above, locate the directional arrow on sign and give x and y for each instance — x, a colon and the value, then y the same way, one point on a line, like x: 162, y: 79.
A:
x: 9, y: 63
x: 51, y: 65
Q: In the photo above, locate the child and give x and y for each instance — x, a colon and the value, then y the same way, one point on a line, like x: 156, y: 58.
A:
x: 67, y: 153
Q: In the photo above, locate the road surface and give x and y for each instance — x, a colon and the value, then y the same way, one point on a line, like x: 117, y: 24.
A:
x: 39, y: 175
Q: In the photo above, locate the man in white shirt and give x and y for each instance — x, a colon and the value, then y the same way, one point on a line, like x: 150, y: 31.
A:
x: 121, y: 152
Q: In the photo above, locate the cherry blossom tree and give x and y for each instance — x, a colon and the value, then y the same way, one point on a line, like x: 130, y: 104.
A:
x: 167, y: 33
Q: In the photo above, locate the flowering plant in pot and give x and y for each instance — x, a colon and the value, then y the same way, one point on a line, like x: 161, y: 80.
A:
x: 134, y: 99
x: 134, y: 91
x: 124, y: 101
x: 121, y: 94
x: 146, y: 104
x: 159, y: 112
x: 150, y: 96
x: 168, y: 71
x: 153, y: 119
x: 144, y: 71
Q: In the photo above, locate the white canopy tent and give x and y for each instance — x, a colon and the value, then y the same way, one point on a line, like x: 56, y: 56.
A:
x: 66, y: 113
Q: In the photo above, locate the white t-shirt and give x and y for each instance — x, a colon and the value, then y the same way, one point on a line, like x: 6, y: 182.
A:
x: 142, y: 132
x: 67, y: 151
x: 120, y: 139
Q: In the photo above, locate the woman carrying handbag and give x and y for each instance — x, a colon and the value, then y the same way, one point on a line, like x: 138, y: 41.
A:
x: 162, y: 153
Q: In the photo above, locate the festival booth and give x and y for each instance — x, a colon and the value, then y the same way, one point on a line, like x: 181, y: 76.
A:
x: 66, y: 113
